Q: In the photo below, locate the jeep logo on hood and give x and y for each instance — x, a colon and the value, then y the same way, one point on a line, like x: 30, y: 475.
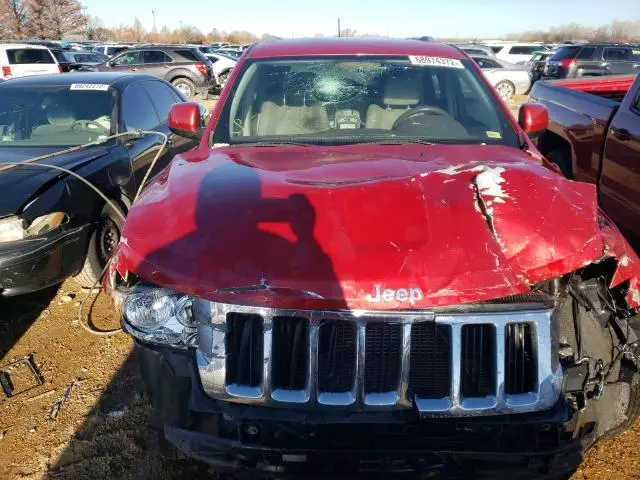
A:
x: 402, y: 295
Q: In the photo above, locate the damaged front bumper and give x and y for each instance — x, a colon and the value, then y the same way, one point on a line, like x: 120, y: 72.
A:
x: 236, y: 436
x: 36, y: 263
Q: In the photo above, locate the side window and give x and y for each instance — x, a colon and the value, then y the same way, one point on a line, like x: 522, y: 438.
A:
x: 497, y: 49
x: 616, y: 54
x: 163, y: 97
x: 155, y: 56
x: 213, y: 59
x: 586, y: 53
x: 137, y: 110
x: 188, y: 55
x: 24, y: 56
x: 522, y: 50
x: 129, y: 58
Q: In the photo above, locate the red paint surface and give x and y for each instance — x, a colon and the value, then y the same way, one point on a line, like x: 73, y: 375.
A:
x: 334, y: 222
x: 184, y: 117
x: 533, y: 117
x: 351, y: 46
x: 608, y: 84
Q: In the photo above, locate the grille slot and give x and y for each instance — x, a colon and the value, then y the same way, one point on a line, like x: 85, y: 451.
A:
x: 383, y: 346
x: 290, y: 353
x: 336, y: 356
x: 520, y: 365
x: 430, y: 365
x: 244, y: 346
x: 478, y: 352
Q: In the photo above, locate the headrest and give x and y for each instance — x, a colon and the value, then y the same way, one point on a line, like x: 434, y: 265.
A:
x: 402, y: 91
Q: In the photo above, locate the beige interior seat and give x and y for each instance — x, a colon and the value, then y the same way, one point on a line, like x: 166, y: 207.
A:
x: 401, y: 93
x: 60, y: 118
x: 292, y: 112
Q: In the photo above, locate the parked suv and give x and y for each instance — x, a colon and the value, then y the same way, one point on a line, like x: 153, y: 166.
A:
x: 186, y: 68
x: 515, y: 52
x: 109, y: 50
x: 19, y: 60
x: 590, y: 60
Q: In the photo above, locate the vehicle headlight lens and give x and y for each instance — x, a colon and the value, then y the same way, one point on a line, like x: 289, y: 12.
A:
x: 158, y: 315
x: 15, y: 228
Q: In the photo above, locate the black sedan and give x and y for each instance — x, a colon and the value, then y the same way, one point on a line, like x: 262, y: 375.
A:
x: 52, y: 225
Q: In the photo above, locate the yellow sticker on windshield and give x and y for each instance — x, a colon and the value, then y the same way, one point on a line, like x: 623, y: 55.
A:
x: 492, y: 134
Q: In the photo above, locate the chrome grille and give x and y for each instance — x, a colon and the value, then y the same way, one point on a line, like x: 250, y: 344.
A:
x: 438, y: 363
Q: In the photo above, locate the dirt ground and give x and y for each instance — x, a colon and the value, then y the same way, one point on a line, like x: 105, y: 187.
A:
x: 101, y: 431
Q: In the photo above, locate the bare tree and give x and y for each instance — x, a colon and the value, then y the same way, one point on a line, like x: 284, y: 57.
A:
x: 39, y: 18
x: 67, y: 17
x: 137, y: 30
x: 13, y: 18
x: 348, y: 32
x: 95, y: 29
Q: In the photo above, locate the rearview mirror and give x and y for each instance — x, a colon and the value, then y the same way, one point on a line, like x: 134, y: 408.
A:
x: 533, y: 118
x: 185, y: 120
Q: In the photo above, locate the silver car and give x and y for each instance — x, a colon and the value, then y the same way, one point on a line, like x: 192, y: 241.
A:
x: 508, y: 79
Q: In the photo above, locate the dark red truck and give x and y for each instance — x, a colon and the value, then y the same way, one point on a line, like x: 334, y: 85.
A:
x: 594, y: 136
x: 366, y: 266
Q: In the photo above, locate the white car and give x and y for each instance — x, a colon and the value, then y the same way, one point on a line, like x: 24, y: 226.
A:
x: 508, y: 79
x: 110, y: 50
x: 21, y: 60
x: 518, y: 53
x: 222, y: 64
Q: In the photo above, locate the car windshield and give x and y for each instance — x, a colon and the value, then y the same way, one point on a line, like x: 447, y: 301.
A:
x: 362, y: 100
x: 54, y: 115
x: 565, y: 52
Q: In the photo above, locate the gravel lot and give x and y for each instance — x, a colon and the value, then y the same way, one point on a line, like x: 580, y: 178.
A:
x: 101, y: 430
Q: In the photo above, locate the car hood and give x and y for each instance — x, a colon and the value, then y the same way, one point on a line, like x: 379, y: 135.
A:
x: 362, y: 227
x: 18, y: 185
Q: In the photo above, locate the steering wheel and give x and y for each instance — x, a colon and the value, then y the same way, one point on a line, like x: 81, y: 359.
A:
x: 84, y: 125
x: 417, y: 111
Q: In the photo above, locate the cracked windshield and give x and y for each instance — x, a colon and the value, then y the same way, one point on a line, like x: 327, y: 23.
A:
x: 340, y: 240
x: 360, y: 100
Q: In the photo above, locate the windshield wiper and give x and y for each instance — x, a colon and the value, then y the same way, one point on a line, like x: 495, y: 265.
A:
x: 397, y: 141
x: 271, y: 144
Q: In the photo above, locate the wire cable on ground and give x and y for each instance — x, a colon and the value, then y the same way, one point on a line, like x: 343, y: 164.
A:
x: 34, y: 162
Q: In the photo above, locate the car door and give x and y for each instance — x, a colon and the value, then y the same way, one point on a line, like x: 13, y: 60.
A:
x: 620, y: 178
x: 125, y: 62
x: 138, y: 113
x: 618, y: 59
x: 155, y: 62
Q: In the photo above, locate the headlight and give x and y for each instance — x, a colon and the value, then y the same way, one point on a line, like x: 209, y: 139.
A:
x: 15, y: 228
x: 158, y: 315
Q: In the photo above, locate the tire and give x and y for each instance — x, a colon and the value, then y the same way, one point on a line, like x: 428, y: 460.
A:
x: 505, y: 89
x: 102, y: 244
x: 562, y: 158
x: 186, y: 86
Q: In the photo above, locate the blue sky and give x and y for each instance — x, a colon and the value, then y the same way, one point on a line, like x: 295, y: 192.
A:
x: 399, y: 18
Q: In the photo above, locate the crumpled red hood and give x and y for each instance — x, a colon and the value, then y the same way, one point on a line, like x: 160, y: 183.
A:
x: 365, y: 227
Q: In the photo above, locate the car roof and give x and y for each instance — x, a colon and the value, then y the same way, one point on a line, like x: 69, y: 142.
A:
x: 23, y: 45
x: 351, y: 46
x: 113, y: 79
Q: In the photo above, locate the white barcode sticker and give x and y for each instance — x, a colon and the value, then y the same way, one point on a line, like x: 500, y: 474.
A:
x: 436, y: 62
x: 90, y: 86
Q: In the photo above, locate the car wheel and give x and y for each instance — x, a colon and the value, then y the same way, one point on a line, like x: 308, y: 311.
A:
x: 505, y: 89
x: 102, y: 244
x: 185, y: 86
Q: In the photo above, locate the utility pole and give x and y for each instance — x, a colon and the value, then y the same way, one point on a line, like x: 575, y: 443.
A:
x: 338, y: 26
x: 153, y: 12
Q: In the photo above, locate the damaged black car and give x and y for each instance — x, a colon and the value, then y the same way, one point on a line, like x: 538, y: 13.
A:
x: 52, y: 225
